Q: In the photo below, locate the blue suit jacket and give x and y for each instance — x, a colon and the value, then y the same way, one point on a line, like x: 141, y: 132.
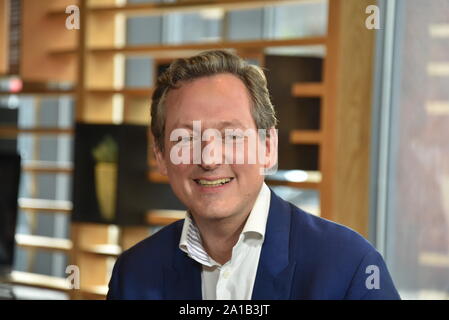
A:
x: 302, y: 257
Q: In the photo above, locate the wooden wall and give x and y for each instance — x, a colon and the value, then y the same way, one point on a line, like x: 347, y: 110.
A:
x: 353, y: 72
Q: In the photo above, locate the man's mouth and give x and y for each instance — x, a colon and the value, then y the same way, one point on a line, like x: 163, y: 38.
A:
x: 213, y: 183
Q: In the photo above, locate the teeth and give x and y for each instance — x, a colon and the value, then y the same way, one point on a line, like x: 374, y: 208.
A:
x: 213, y: 182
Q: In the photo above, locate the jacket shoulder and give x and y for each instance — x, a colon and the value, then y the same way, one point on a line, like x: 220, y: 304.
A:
x: 136, y: 273
x: 334, y: 260
x: 326, y: 234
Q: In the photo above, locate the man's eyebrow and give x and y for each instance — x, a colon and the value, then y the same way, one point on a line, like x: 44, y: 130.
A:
x: 219, y: 125
x: 187, y: 125
x: 231, y: 123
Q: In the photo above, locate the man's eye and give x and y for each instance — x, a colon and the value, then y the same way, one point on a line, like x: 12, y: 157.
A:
x: 185, y: 139
x: 234, y: 137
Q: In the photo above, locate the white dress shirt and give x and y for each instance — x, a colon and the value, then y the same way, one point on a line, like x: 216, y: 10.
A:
x: 235, y: 279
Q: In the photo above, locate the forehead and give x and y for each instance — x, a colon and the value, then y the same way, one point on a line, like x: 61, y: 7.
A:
x: 218, y: 98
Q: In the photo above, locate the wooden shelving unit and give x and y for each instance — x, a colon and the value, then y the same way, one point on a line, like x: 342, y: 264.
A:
x: 4, y: 37
x: 93, y: 59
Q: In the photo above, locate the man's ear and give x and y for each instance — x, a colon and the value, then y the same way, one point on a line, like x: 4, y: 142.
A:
x: 271, y: 152
x: 160, y: 159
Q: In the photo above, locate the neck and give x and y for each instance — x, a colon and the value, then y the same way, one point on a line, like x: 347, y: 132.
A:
x: 219, y: 236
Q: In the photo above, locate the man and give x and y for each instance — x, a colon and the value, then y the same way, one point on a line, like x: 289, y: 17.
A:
x: 239, y: 240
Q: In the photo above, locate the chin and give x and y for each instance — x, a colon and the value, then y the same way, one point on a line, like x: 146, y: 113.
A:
x: 212, y: 212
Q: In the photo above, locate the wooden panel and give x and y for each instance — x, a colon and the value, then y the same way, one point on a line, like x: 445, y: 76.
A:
x: 137, y: 110
x: 307, y: 89
x: 101, y: 30
x: 87, y: 234
x: 40, y: 35
x: 98, y: 108
x: 93, y: 269
x: 132, y: 235
x: 4, y: 36
x: 347, y: 119
x: 100, y: 72
x: 93, y: 247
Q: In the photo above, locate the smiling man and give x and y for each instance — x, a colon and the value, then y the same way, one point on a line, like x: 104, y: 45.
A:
x: 211, y: 114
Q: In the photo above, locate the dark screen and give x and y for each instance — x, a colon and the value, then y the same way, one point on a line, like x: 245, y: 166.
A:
x: 9, y: 185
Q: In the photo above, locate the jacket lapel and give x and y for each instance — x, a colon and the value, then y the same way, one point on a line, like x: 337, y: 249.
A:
x: 182, y: 280
x: 275, y: 272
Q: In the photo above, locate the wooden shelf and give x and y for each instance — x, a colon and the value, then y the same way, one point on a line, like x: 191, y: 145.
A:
x: 46, y: 167
x: 103, y: 249
x: 146, y: 92
x: 14, y: 131
x: 39, y: 92
x: 164, y: 217
x: 311, y: 180
x: 308, y: 89
x: 156, y: 177
x: 38, y: 205
x: 95, y: 292
x: 38, y: 280
x: 161, y: 8
x: 178, y: 49
x: 45, y: 243
x: 305, y: 137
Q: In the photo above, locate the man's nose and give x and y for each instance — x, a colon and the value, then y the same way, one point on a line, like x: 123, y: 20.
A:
x: 211, y: 155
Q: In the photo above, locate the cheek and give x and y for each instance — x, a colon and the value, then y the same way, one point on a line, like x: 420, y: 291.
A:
x: 247, y: 173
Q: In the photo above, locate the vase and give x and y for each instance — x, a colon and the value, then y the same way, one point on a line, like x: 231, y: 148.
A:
x: 106, y: 187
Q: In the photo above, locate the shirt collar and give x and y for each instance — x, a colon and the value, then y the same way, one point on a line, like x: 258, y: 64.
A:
x: 256, y: 223
x: 257, y: 219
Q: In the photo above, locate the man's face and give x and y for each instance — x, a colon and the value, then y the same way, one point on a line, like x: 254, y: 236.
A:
x: 212, y: 189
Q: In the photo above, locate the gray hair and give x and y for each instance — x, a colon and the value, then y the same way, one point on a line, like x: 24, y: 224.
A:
x: 205, y: 64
